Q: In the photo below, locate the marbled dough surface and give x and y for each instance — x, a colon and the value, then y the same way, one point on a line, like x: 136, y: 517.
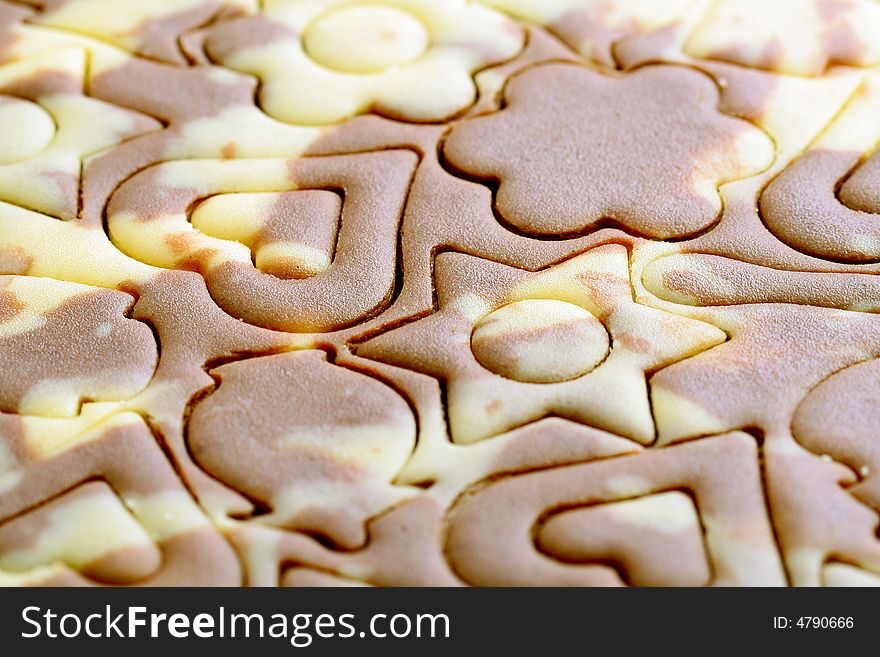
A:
x: 440, y: 292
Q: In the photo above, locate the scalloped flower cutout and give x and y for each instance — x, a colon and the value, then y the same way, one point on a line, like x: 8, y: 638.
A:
x: 322, y: 62
x: 647, y: 150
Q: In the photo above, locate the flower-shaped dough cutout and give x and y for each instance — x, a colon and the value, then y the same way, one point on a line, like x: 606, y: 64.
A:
x: 513, y: 346
x: 149, y: 28
x: 592, y: 27
x: 574, y: 147
x: 324, y: 61
x: 798, y: 37
x: 55, y: 127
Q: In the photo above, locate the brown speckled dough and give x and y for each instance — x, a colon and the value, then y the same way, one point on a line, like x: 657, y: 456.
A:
x: 804, y: 209
x: 860, y: 190
x: 373, y: 188
x: 279, y: 427
x: 847, y: 431
x: 419, y: 293
x: 573, y: 147
x: 85, y: 348
x: 490, y: 538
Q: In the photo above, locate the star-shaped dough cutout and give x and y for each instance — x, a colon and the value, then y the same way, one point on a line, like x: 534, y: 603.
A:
x: 43, y: 96
x: 514, y: 346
